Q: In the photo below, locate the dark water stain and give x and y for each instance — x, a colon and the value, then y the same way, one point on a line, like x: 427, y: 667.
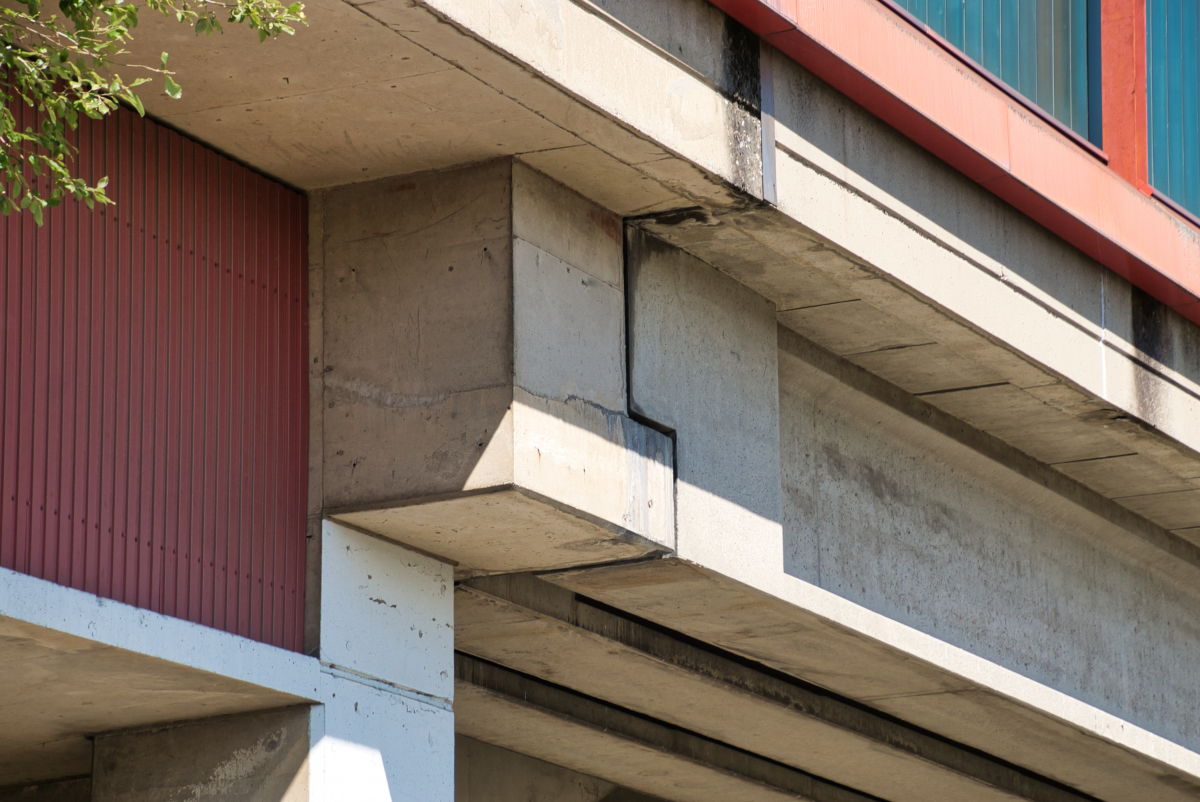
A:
x: 740, y: 75
x: 1151, y: 327
x: 742, y: 81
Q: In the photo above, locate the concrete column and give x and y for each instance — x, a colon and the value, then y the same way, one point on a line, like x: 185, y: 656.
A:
x: 385, y: 730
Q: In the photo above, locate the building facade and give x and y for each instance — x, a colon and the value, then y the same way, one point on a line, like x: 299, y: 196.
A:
x: 618, y: 401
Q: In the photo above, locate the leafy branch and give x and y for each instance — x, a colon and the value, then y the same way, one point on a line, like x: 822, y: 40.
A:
x: 63, y: 66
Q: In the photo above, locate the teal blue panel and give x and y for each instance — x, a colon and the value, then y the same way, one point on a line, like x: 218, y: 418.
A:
x: 1173, y: 77
x: 954, y: 24
x: 1038, y: 47
x: 989, y: 20
x: 973, y: 29
x: 1079, y: 67
x: 1191, y: 107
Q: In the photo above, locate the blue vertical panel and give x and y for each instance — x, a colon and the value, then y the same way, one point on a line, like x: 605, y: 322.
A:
x: 1010, y: 42
x: 973, y: 29
x: 1173, y: 74
x: 1060, y: 74
x: 1079, y: 67
x: 1048, y: 50
x: 936, y: 17
x: 1027, y: 39
x: 1191, y: 105
x: 1045, y: 34
x: 1156, y: 69
x: 1174, y: 59
x: 991, y: 38
x: 954, y: 23
x: 1095, y: 104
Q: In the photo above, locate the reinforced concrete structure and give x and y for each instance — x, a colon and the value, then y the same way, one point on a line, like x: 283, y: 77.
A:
x: 609, y: 401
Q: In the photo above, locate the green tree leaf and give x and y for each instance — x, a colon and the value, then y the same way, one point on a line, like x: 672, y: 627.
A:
x: 60, y: 66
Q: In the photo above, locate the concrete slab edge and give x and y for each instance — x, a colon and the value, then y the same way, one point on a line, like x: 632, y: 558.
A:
x: 123, y: 626
x: 988, y: 676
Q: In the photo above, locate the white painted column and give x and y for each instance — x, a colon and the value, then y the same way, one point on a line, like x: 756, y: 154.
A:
x: 385, y: 730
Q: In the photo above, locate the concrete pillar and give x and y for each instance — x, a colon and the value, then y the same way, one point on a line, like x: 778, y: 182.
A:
x: 475, y: 398
x: 385, y: 730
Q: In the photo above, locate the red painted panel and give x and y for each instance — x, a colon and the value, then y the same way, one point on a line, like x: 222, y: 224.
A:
x: 868, y: 52
x: 154, y: 407
x: 1123, y: 86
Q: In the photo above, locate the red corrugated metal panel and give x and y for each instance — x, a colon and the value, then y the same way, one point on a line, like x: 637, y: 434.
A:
x: 153, y: 417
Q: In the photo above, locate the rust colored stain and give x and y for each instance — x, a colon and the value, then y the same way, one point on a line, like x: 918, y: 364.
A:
x: 608, y: 224
x: 938, y: 99
x: 154, y: 406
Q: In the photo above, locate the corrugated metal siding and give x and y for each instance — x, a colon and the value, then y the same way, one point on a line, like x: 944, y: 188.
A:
x: 1173, y: 78
x: 154, y: 404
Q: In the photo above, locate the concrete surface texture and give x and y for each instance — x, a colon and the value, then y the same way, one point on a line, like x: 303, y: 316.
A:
x: 912, y: 531
x: 71, y: 790
x: 387, y: 613
x: 703, y: 361
x: 262, y: 757
x: 544, y: 631
x: 879, y: 492
x: 474, y: 368
x: 485, y: 773
x: 609, y: 139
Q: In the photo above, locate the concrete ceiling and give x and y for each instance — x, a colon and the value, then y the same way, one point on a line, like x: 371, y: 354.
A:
x: 385, y: 88
x: 61, y: 689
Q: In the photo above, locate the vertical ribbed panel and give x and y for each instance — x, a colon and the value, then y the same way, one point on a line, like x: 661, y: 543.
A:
x: 1173, y: 78
x: 154, y: 404
x: 1038, y: 47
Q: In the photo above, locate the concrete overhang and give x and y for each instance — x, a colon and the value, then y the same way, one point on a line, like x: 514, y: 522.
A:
x: 500, y: 530
x: 76, y: 666
x: 947, y: 105
x: 1069, y: 375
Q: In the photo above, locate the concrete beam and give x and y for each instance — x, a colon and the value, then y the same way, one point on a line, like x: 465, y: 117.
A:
x: 546, y: 631
x: 474, y: 374
x: 486, y: 773
x: 526, y: 715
